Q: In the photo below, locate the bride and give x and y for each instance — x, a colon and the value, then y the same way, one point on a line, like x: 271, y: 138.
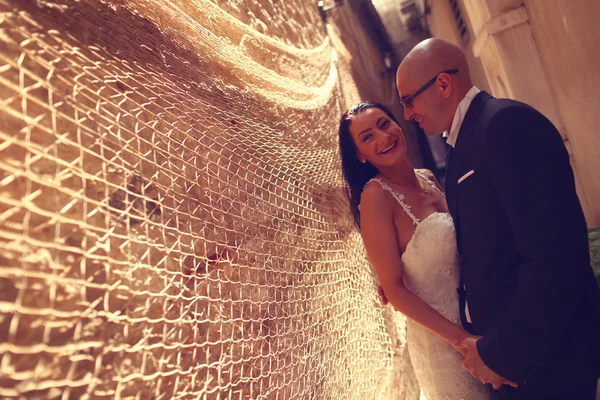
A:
x: 410, y: 240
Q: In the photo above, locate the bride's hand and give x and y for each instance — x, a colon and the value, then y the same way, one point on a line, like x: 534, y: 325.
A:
x: 475, y: 365
x: 459, y: 344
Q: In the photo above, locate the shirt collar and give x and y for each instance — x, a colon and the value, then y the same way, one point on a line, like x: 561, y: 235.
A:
x: 459, y: 116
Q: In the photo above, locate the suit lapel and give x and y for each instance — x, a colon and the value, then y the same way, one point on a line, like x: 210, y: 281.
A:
x: 464, y: 135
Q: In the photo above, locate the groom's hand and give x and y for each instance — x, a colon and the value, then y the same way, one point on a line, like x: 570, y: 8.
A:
x: 475, y: 365
x: 384, y: 299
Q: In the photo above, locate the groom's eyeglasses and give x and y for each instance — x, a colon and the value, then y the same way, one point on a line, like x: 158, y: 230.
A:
x: 407, y: 102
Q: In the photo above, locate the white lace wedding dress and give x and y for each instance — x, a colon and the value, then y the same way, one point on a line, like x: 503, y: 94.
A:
x: 431, y: 271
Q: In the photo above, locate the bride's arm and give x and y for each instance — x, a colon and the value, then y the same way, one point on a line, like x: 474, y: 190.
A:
x: 380, y: 238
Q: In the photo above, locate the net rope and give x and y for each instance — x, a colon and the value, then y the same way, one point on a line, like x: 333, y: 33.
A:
x: 172, y: 223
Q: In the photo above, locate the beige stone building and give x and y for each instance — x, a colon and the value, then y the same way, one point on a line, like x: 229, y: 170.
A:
x: 542, y: 52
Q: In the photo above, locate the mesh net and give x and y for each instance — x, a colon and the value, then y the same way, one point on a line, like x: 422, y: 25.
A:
x: 171, y: 218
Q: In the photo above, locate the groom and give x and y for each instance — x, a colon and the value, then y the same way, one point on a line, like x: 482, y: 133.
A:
x: 526, y: 282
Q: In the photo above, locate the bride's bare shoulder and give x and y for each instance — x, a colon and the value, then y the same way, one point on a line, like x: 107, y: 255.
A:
x: 425, y: 172
x: 374, y: 195
x: 431, y: 176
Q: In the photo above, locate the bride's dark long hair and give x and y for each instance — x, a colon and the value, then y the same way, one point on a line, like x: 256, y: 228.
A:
x: 356, y: 174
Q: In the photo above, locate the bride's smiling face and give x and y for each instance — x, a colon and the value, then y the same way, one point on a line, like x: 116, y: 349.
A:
x: 379, y: 140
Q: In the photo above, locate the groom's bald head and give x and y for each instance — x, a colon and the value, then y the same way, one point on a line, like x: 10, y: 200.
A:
x: 438, y: 103
x: 430, y: 57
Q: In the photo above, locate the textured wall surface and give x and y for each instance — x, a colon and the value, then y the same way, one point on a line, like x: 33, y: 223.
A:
x: 172, y: 223
x: 567, y: 36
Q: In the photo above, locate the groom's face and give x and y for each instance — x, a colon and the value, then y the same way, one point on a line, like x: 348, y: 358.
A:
x: 428, y: 108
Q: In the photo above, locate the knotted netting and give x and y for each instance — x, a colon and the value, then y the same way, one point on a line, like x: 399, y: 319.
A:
x: 172, y: 223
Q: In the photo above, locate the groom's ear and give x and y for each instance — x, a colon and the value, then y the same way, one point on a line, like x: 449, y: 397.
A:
x: 445, y: 83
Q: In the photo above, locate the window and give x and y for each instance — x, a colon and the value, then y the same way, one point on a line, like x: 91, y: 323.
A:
x: 460, y: 23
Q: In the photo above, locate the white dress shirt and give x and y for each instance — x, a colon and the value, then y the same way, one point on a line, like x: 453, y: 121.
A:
x: 459, y: 116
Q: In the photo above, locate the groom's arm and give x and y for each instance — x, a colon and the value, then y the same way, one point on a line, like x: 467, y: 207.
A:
x: 530, y: 171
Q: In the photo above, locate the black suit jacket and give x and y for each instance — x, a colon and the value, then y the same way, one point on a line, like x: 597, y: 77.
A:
x: 522, y: 241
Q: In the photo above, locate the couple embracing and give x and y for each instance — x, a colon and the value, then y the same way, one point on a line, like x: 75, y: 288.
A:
x: 494, y: 272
